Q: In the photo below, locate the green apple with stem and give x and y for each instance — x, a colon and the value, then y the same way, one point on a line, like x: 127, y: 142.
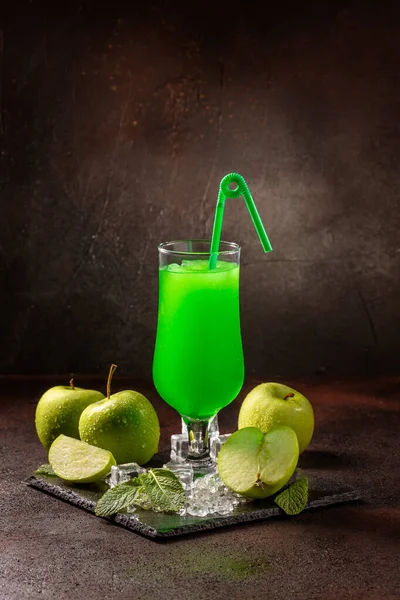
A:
x: 125, y: 423
x: 257, y: 464
x: 59, y: 409
x: 271, y: 404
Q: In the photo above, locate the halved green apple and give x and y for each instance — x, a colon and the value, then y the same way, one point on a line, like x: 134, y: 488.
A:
x: 257, y: 464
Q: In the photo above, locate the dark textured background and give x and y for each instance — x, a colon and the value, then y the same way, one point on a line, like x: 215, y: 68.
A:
x: 118, y: 121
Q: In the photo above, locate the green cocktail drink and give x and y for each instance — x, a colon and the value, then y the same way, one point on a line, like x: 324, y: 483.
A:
x: 198, y: 362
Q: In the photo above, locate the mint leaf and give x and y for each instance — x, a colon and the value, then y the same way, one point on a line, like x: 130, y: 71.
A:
x: 164, y: 489
x: 44, y: 470
x: 158, y: 489
x: 142, y: 499
x: 294, y: 499
x: 118, y: 498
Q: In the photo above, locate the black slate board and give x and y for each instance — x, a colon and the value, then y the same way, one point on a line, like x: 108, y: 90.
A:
x: 154, y: 525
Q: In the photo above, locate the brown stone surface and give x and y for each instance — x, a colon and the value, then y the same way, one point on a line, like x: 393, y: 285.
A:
x: 50, y: 549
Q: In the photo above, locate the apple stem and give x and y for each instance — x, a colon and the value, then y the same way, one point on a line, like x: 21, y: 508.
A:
x: 71, y: 383
x: 290, y: 395
x: 110, y: 376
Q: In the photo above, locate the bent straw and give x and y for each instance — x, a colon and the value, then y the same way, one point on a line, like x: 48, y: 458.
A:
x: 225, y: 191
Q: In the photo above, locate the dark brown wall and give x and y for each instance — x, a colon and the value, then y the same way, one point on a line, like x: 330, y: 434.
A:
x: 118, y: 120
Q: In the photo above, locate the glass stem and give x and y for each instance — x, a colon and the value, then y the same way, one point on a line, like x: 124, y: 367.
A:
x: 199, y: 448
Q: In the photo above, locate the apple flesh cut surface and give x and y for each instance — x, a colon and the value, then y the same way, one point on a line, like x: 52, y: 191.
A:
x: 59, y: 409
x: 257, y: 464
x: 125, y: 423
x: 272, y: 404
x: 79, y: 462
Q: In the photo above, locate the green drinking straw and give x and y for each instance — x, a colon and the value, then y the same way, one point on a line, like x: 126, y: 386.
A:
x: 225, y: 192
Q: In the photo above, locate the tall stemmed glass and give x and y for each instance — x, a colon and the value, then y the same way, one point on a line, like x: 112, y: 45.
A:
x: 198, y: 366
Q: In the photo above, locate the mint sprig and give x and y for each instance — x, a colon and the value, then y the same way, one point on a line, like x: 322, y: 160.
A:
x: 158, y: 489
x: 293, y: 499
x: 44, y: 470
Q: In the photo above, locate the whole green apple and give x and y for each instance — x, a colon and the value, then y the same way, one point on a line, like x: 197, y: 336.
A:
x: 125, y: 423
x: 59, y: 409
x: 272, y: 404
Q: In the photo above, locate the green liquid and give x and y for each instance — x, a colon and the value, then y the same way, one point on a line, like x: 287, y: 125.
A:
x: 198, y: 362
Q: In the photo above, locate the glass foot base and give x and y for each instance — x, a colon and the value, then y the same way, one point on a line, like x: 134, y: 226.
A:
x: 203, y: 465
x: 201, y: 470
x: 180, y: 444
x: 180, y: 449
